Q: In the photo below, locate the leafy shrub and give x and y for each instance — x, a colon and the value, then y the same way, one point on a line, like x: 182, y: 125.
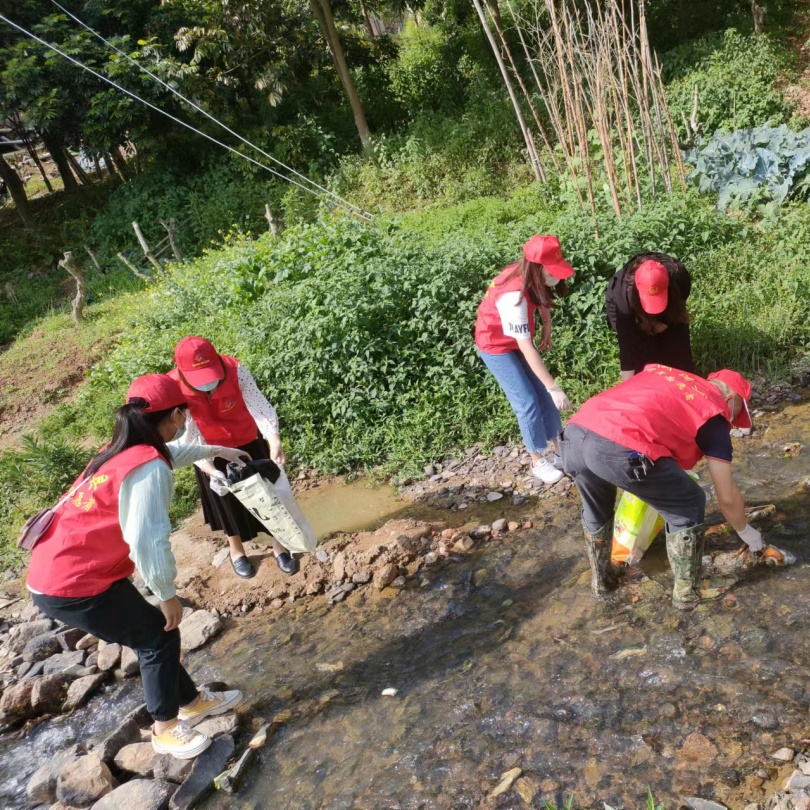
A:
x: 736, y: 75
x: 754, y: 164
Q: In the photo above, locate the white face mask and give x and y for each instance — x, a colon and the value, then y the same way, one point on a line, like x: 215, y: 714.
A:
x: 208, y: 387
x: 180, y: 430
x: 551, y: 281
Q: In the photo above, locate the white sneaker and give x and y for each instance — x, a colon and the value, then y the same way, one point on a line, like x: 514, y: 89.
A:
x: 546, y: 471
x: 209, y: 705
x: 181, y: 741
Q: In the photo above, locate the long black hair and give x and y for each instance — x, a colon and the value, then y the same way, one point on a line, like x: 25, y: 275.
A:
x: 133, y: 426
x: 534, y: 286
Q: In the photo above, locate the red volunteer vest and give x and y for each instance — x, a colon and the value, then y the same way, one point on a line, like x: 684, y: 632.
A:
x: 84, y: 552
x: 489, y: 336
x: 657, y: 412
x: 221, y: 416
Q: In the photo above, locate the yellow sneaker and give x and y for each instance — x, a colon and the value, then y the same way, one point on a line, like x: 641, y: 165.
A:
x: 210, y: 704
x: 181, y: 741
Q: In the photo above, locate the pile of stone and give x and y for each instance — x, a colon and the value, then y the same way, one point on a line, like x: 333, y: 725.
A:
x: 795, y: 794
x: 122, y: 771
x: 47, y: 668
x: 457, y: 484
x: 390, y: 566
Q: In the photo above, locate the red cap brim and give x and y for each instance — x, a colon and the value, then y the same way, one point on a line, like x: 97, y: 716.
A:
x: 559, y: 269
x: 202, y: 376
x: 743, y: 419
x: 653, y: 304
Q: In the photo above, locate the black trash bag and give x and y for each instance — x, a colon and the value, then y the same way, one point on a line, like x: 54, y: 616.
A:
x: 264, y: 466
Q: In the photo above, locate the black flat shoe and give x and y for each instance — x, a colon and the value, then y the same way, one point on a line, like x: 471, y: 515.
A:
x: 287, y: 563
x: 243, y: 567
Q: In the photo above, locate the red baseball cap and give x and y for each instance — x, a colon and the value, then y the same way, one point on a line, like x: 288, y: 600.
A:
x: 198, y: 361
x: 739, y: 385
x: 652, y: 283
x: 160, y: 391
x: 546, y: 250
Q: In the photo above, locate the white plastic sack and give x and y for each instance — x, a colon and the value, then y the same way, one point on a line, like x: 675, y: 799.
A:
x: 275, y: 507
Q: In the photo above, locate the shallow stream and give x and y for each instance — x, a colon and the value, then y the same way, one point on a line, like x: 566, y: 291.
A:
x: 503, y: 660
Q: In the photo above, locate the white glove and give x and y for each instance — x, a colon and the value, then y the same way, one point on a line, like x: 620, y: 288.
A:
x: 561, y: 401
x: 219, y: 483
x: 751, y: 537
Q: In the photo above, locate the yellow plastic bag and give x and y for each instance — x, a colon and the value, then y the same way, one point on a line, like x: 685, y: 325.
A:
x: 635, y: 526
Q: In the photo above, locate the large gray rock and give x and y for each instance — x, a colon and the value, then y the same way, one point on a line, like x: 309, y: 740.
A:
x: 81, y: 690
x: 42, y: 785
x: 139, y: 794
x: 222, y: 724
x: 83, y: 781
x: 128, y: 732
x: 172, y: 769
x: 61, y: 662
x: 21, y: 634
x: 199, y: 628
x: 41, y: 647
x: 108, y: 656
x: 48, y: 694
x: 16, y: 700
x: 137, y: 758
x: 206, y: 766
x: 129, y: 662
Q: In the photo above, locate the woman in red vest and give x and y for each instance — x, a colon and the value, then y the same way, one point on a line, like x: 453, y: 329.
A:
x: 114, y: 520
x: 226, y: 407
x: 504, y: 335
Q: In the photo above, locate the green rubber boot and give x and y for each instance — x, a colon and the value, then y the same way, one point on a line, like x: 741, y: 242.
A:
x: 685, y: 551
x: 604, y: 576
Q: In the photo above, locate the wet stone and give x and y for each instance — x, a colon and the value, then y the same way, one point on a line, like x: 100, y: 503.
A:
x: 499, y: 525
x: 494, y: 496
x: 143, y: 794
x: 198, y: 629
x: 128, y: 732
x: 83, y: 781
x: 41, y: 647
x: 42, y: 784
x: 80, y: 691
x: 48, y: 694
x: 171, y: 769
x: 16, y: 700
x: 200, y: 781
x: 765, y: 720
x: 58, y: 664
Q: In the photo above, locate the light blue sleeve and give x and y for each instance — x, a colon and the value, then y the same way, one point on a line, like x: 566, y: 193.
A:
x: 143, y: 512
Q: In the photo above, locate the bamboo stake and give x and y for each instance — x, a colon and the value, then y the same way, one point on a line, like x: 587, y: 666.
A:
x: 171, y: 230
x: 94, y: 259
x: 131, y: 266
x: 146, y: 249
x: 505, y: 75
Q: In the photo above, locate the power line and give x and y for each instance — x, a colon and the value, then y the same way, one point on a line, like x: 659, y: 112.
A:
x: 362, y: 215
x: 205, y: 113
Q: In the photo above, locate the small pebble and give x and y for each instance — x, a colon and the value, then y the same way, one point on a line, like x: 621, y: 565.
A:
x: 390, y: 692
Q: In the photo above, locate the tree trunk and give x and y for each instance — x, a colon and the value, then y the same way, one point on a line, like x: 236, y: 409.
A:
x: 323, y: 14
x: 76, y: 166
x: 367, y: 21
x: 69, y: 264
x: 54, y: 145
x: 759, y: 17
x: 120, y: 163
x: 17, y: 190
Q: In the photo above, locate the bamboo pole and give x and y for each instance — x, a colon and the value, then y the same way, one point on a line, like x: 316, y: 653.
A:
x: 128, y: 264
x: 147, y: 251
x: 505, y: 75
x: 69, y: 263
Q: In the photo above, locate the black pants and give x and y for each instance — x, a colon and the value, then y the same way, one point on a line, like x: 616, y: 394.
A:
x: 598, y: 466
x: 120, y: 615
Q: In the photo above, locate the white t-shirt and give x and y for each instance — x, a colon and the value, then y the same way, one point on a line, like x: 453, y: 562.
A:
x: 514, y: 312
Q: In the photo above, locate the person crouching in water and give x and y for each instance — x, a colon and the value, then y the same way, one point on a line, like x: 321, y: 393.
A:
x: 504, y: 336
x: 642, y: 435
x: 116, y: 520
x: 226, y: 407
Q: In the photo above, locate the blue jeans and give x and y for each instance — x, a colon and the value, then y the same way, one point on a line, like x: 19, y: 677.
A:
x: 536, y: 412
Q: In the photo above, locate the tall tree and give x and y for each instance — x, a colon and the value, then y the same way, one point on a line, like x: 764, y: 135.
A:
x: 322, y: 9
